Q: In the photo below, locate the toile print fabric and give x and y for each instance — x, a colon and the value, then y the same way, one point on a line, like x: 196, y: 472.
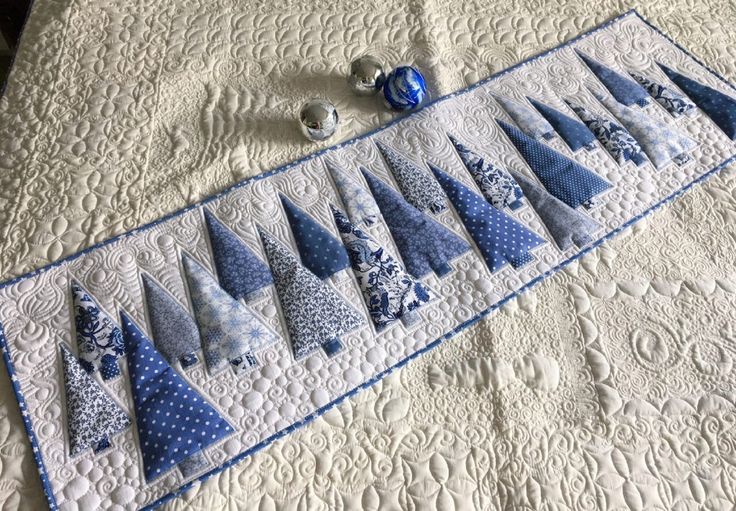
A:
x: 239, y: 270
x: 500, y: 239
x: 494, y: 182
x: 99, y: 339
x: 720, y: 107
x: 315, y: 315
x: 358, y: 202
x: 564, y: 178
x: 417, y: 186
x: 231, y: 332
x: 92, y: 415
x: 319, y: 250
x: 614, y: 138
x: 389, y: 291
x: 425, y: 246
x: 529, y: 121
x: 675, y: 103
x: 623, y: 88
x: 575, y: 134
x: 661, y: 143
x: 174, y: 421
x: 173, y: 330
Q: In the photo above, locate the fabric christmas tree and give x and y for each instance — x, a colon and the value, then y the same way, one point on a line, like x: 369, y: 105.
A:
x: 241, y: 273
x: 174, y: 331
x: 230, y: 331
x: 564, y: 178
x: 320, y: 252
x: 495, y: 183
x: 359, y: 203
x: 566, y: 225
x: 527, y: 119
x: 661, y: 143
x: 575, y: 134
x: 99, y: 339
x: 624, y: 89
x: 424, y: 245
x: 315, y: 315
x: 174, y: 421
x: 615, y: 139
x: 720, y: 107
x: 675, y: 103
x: 92, y: 415
x: 417, y: 186
x: 389, y: 292
x: 500, y: 239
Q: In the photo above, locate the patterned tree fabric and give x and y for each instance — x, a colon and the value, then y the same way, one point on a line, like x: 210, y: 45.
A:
x: 174, y: 421
x: 575, y: 134
x: 319, y: 250
x: 527, y: 119
x: 566, y: 225
x: 230, y: 331
x: 720, y: 107
x: 241, y: 273
x: 174, y: 331
x: 564, y: 178
x: 500, y: 239
x: 495, y: 183
x: 661, y: 143
x: 358, y: 202
x: 425, y: 245
x: 389, y: 292
x: 99, y: 339
x: 315, y: 314
x: 416, y: 184
x: 623, y: 88
x: 614, y: 138
x: 92, y: 415
x: 675, y: 103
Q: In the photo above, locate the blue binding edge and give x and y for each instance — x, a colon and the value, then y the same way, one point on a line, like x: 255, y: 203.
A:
x: 48, y: 490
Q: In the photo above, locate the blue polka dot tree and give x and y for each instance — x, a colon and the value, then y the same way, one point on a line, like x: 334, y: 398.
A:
x: 425, y: 245
x: 575, y: 134
x: 175, y: 423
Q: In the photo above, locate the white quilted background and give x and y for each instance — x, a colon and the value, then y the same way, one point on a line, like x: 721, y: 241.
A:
x: 105, y: 129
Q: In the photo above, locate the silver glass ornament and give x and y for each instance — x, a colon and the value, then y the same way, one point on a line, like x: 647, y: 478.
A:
x: 318, y: 119
x: 366, y: 75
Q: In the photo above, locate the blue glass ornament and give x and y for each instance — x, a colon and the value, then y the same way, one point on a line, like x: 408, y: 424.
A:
x: 405, y: 88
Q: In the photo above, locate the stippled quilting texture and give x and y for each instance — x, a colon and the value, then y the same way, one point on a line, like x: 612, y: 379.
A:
x: 272, y: 488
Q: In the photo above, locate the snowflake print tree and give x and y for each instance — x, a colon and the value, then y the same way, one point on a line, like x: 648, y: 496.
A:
x: 529, y: 121
x: 359, y: 203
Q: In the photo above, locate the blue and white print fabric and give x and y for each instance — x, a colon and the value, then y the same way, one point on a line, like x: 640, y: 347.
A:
x: 564, y: 178
x: 623, y: 88
x: 425, y: 245
x: 661, y: 143
x: 389, y: 291
x: 720, y: 107
x: 566, y: 225
x: 494, y: 182
x: 92, y: 415
x: 675, y: 103
x: 614, y: 138
x: 315, y: 314
x: 527, y: 119
x: 319, y: 250
x: 230, y: 331
x: 174, y: 331
x: 99, y: 339
x: 500, y: 239
x: 174, y: 421
x: 416, y: 184
x: 240, y: 272
x: 575, y: 134
x: 358, y: 202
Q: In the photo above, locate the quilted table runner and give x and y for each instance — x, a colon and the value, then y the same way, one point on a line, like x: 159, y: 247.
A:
x: 156, y: 359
